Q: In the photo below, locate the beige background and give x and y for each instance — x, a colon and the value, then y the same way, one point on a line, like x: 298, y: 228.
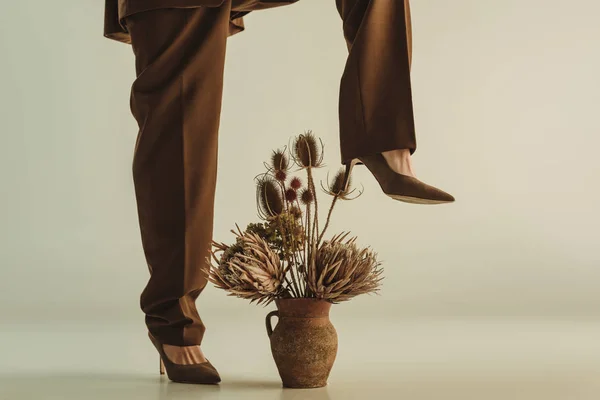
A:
x: 506, y: 95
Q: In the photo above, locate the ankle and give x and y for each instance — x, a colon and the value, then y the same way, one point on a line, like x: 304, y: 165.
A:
x: 184, y: 354
x: 399, y: 161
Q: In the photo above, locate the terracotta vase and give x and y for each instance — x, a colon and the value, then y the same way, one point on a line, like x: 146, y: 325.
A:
x: 304, y: 343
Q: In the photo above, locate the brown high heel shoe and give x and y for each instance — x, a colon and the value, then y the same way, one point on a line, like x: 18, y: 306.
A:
x: 203, y: 373
x: 397, y: 186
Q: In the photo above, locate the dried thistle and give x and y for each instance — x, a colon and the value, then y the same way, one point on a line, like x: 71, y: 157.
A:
x: 268, y: 197
x: 307, y: 197
x: 280, y: 175
x: 342, y: 271
x: 295, y: 183
x: 308, y: 151
x: 339, y: 188
x: 252, y: 271
x: 291, y: 195
x: 279, y: 160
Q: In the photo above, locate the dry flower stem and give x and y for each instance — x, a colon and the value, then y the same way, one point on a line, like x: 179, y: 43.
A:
x: 335, y: 198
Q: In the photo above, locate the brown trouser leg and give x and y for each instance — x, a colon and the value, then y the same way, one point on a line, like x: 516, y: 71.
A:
x: 376, y: 112
x: 176, y: 100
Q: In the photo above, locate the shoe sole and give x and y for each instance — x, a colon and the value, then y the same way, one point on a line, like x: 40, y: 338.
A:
x: 193, y: 382
x: 416, y: 200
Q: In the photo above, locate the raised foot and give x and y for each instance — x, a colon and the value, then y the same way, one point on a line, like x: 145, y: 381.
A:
x: 395, y: 174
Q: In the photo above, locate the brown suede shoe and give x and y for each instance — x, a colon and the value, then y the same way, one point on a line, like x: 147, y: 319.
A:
x: 397, y: 186
x: 203, y: 373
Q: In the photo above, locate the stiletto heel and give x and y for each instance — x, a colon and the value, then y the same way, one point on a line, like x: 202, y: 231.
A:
x: 203, y: 373
x: 349, y: 166
x: 402, y: 187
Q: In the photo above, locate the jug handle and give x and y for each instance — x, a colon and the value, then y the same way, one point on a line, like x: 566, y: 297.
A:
x: 268, y: 321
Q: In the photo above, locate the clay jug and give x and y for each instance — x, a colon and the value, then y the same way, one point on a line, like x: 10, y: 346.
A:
x: 304, y: 343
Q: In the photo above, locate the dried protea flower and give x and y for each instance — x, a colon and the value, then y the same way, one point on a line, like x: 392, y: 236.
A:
x: 307, y: 197
x: 279, y: 160
x: 268, y: 197
x: 339, y: 187
x: 308, y: 150
x: 253, y: 271
x: 295, y: 183
x: 342, y: 271
x: 291, y: 195
x: 280, y: 175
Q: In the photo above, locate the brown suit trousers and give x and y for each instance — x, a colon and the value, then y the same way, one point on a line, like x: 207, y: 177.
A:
x: 176, y: 100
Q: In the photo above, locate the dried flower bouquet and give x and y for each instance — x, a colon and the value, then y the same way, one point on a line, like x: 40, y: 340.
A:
x: 285, y: 255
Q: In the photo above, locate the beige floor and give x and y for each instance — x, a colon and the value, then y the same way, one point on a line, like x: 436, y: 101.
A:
x: 411, y: 359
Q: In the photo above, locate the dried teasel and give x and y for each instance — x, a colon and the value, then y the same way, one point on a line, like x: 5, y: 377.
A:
x: 337, y: 186
x: 249, y: 269
x: 307, y: 150
x: 268, y: 197
x: 342, y: 271
x: 279, y: 165
x: 279, y: 160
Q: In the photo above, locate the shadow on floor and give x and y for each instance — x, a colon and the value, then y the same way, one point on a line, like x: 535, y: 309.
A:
x: 96, y: 386
x: 568, y: 383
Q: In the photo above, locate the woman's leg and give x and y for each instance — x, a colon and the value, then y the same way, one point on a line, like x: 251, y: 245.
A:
x: 377, y: 125
x: 176, y: 100
x: 376, y: 111
x: 399, y: 159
